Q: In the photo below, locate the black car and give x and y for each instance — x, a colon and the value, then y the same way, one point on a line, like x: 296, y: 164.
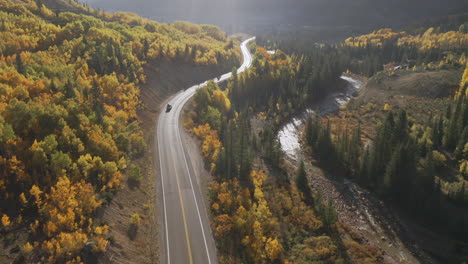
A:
x: 168, y: 108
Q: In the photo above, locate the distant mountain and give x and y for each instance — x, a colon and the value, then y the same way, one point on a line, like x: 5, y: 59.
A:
x: 255, y: 15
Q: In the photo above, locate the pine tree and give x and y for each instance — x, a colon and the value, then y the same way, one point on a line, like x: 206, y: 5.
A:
x: 355, y: 146
x: 254, y: 142
x: 450, y: 134
x: 235, y: 94
x: 177, y: 54
x: 53, y: 87
x: 329, y: 214
x: 146, y: 47
x: 230, y: 162
x: 461, y: 144
x: 437, y: 132
x: 382, y: 148
x: 364, y: 169
x: 20, y: 64
x: 401, y: 126
x: 325, y: 148
x: 69, y: 90
x: 3, y: 26
x: 244, y: 149
x: 391, y: 172
x: 428, y: 181
x: 311, y: 131
x: 186, y: 53
x: 302, y: 182
x: 460, y: 195
x: 97, y: 100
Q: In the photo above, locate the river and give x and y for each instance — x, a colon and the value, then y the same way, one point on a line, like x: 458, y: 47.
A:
x: 290, y: 133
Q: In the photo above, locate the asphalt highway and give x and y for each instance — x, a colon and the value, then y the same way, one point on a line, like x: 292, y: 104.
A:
x: 187, y: 236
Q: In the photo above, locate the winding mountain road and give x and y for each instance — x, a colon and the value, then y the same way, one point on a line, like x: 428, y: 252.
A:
x: 187, y: 235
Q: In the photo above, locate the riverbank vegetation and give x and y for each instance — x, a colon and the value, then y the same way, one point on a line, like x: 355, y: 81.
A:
x: 404, y: 140
x: 259, y: 215
x: 411, y: 159
x: 418, y: 166
x: 280, y: 85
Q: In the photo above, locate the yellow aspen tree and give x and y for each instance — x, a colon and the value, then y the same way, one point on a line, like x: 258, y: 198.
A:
x: 28, y: 248
x: 6, y: 220
x: 273, y: 248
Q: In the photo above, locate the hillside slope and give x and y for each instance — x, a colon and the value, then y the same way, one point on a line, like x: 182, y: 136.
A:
x: 72, y: 144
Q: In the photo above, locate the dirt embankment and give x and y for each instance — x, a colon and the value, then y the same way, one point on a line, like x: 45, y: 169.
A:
x: 430, y: 84
x: 422, y: 94
x: 164, y: 79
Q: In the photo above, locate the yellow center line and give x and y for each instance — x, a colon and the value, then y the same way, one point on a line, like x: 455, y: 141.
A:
x: 183, y: 210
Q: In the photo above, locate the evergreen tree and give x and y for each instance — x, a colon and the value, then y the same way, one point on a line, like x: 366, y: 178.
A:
x: 437, y: 132
x: 235, y: 86
x: 311, y: 131
x: 364, y: 169
x: 461, y: 144
x: 354, y: 149
x: 186, y: 53
x: 329, y: 216
x: 428, y: 176
x: 228, y: 151
x: 19, y: 64
x: 302, y: 182
x: 450, y: 133
x: 146, y: 47
x: 69, y: 90
x: 325, y: 148
x: 244, y: 149
x: 3, y: 26
x: 461, y: 196
x: 401, y: 126
x: 53, y: 87
x: 97, y: 100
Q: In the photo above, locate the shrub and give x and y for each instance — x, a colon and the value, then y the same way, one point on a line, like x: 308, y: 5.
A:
x: 439, y: 159
x: 134, y: 173
x: 135, y: 219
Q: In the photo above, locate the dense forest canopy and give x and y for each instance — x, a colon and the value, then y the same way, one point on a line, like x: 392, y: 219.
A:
x: 417, y: 165
x: 70, y: 79
x: 260, y: 217
x: 414, y: 162
x: 427, y: 48
x: 69, y: 95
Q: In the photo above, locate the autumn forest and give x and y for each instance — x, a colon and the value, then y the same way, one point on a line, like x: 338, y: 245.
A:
x: 74, y: 132
x: 68, y: 115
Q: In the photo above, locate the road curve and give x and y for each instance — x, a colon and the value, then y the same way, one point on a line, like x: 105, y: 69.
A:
x: 187, y: 236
